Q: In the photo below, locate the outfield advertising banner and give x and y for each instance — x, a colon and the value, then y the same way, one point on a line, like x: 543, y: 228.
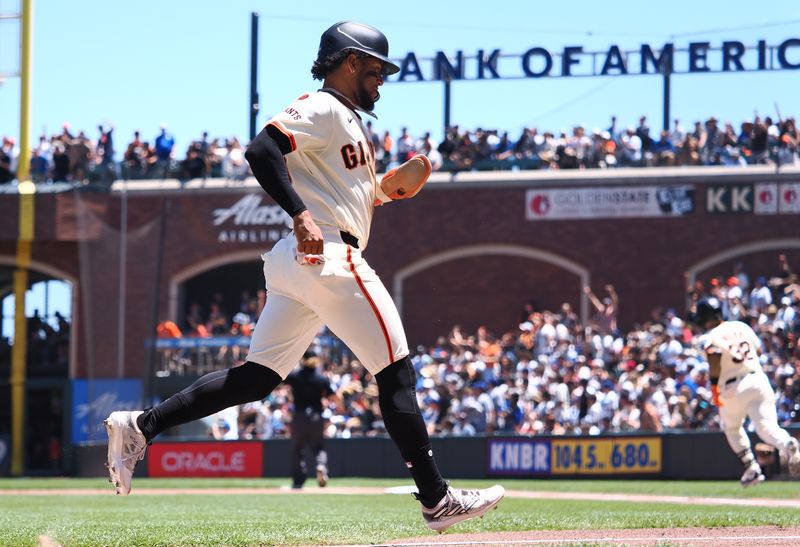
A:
x: 768, y: 198
x: 205, y: 459
x: 94, y: 400
x: 612, y: 202
x: 575, y: 456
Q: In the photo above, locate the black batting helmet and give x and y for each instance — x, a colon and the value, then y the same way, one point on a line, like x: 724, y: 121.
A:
x: 706, y: 309
x: 352, y: 35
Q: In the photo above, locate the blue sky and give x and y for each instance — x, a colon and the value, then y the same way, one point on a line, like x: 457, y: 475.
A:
x: 186, y: 63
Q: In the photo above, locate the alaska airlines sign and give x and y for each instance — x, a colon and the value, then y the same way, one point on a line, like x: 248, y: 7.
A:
x: 248, y: 221
x: 538, y: 62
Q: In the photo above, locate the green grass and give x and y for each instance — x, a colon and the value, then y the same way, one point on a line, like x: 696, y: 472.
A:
x: 307, y: 519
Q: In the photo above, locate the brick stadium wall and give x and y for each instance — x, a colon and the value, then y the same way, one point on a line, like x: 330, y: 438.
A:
x: 485, y: 258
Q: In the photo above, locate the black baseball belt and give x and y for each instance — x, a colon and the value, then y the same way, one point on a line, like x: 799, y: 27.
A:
x: 349, y: 238
x: 737, y: 378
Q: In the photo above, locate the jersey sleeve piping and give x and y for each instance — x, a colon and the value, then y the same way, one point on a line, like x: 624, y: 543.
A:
x: 284, y: 138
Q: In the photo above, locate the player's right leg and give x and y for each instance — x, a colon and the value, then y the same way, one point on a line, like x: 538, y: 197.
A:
x: 732, y: 414
x: 360, y: 311
x: 765, y: 419
x: 282, y: 334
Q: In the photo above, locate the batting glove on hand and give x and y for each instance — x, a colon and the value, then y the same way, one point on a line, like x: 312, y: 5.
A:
x: 405, y: 181
x: 715, y: 396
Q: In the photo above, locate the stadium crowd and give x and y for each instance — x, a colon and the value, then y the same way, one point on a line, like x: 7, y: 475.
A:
x: 70, y: 157
x: 553, y: 374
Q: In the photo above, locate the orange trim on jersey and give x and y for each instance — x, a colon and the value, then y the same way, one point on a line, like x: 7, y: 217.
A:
x: 279, y: 126
x: 372, y: 304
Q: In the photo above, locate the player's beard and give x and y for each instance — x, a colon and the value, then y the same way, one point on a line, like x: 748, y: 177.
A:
x: 365, y: 99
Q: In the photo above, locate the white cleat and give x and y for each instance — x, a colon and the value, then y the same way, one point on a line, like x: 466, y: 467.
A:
x: 752, y: 475
x: 126, y: 447
x: 460, y: 505
x: 793, y: 457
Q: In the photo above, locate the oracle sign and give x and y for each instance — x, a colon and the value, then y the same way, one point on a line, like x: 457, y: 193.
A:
x: 205, y: 459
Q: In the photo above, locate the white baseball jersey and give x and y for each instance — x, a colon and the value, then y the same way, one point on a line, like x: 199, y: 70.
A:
x: 332, y: 169
x: 332, y: 163
x: 738, y: 346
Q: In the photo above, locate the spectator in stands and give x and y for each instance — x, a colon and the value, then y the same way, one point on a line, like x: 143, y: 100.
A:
x: 788, y: 143
x: 215, y: 157
x: 759, y: 143
x: 234, y: 166
x: 678, y: 133
x: 168, y: 329
x: 643, y: 132
x: 663, y: 151
x: 387, y: 144
x: 760, y: 296
x: 105, y: 154
x: 607, y: 310
x: 613, y: 131
x: 631, y: 149
x: 224, y: 425
x: 709, y: 151
x: 728, y: 151
x: 81, y: 153
x: 8, y: 160
x: 217, y: 322
x: 164, y: 145
x: 60, y: 171
x: 689, y: 153
x: 41, y: 160
x: 134, y: 160
x: 204, y: 147
x: 405, y: 146
x: 194, y: 165
x: 39, y: 167
x: 433, y: 154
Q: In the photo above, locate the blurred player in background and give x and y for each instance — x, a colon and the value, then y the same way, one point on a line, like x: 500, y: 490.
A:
x: 309, y: 387
x: 741, y: 389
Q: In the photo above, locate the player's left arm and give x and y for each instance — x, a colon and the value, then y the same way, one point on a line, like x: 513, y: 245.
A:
x: 265, y: 156
x: 714, y: 357
x: 405, y: 181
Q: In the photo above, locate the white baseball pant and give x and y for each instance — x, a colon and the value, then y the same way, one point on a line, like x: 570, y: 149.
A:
x: 342, y: 292
x: 750, y: 395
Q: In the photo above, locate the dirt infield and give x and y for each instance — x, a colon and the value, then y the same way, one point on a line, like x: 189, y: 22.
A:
x: 739, y: 536
x: 731, y: 536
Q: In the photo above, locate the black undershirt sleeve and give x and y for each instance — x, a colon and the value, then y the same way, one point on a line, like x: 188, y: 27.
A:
x: 265, y: 156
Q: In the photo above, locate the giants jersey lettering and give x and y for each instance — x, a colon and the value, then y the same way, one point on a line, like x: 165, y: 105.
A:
x: 332, y: 165
x: 737, y: 344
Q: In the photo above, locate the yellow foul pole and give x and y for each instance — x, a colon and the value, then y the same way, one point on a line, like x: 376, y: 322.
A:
x: 26, y: 222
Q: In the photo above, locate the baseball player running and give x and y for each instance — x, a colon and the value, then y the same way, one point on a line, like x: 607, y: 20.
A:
x: 315, y: 160
x: 741, y: 389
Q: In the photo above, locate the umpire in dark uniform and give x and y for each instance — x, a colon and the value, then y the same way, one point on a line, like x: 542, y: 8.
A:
x: 308, y: 389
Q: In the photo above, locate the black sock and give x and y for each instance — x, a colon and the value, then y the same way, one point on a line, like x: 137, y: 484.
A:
x: 404, y: 423
x: 209, y: 394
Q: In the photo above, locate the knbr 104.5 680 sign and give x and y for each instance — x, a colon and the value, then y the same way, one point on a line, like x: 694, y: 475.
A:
x: 602, y: 456
x: 575, y: 456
